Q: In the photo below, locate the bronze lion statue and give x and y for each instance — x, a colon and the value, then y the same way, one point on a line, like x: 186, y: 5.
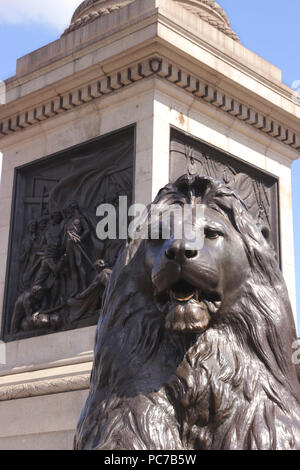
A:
x: 194, y: 346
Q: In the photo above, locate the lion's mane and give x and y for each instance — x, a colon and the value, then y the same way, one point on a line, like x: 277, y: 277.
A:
x: 234, y: 386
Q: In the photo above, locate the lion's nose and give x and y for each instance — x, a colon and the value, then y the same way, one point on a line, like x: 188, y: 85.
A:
x: 179, y: 252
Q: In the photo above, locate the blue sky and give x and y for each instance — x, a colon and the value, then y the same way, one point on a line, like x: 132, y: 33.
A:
x: 267, y: 27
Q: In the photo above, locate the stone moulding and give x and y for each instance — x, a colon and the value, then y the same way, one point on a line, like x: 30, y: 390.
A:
x: 78, y: 21
x: 155, y: 66
x: 214, y: 14
x: 45, y: 387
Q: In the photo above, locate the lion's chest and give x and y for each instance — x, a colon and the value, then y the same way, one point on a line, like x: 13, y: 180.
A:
x: 203, y: 402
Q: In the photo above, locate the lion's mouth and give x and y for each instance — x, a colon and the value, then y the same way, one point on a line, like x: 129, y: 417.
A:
x: 183, y: 292
x: 188, y: 308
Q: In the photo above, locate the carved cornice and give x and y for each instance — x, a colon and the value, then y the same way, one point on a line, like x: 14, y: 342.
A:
x: 162, y: 68
x: 48, y: 386
x: 211, y: 12
x: 208, y: 10
x: 96, y: 9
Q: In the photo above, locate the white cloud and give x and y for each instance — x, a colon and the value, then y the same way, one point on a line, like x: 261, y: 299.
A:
x: 54, y: 13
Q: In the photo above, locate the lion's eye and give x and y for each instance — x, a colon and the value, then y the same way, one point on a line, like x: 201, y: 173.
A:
x: 212, y: 234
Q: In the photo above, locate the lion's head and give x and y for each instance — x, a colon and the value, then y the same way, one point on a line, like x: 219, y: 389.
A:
x: 198, y: 277
x: 190, y: 322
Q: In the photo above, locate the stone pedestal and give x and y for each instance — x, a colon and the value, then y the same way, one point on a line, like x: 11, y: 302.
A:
x: 155, y: 65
